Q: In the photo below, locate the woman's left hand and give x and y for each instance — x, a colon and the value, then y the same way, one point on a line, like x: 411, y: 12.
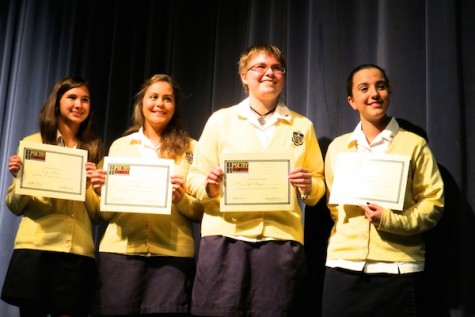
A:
x: 302, y: 179
x: 178, y: 188
x: 373, y: 213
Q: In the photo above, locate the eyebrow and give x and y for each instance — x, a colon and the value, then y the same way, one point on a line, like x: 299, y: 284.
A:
x: 76, y: 95
x: 367, y: 84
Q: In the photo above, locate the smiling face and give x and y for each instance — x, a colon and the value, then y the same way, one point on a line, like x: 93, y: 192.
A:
x: 158, y: 105
x: 370, y: 95
x: 75, y: 105
x: 266, y: 85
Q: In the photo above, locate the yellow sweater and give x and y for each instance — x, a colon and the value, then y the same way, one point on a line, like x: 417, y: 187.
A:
x: 152, y: 234
x: 398, y: 238
x: 229, y: 131
x: 54, y: 224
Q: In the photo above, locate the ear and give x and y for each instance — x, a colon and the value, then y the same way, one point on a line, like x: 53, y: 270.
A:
x: 244, y: 78
x: 352, y: 103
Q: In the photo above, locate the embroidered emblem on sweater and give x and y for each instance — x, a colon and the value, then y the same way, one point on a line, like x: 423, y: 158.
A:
x: 189, y: 157
x: 297, y: 138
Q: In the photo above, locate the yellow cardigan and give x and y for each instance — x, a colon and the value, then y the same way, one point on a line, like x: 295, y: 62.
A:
x: 54, y: 224
x: 152, y: 234
x: 398, y: 238
x: 228, y: 130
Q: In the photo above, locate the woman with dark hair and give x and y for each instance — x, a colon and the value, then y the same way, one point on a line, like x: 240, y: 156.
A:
x: 376, y: 254
x: 147, y: 260
x: 53, y: 269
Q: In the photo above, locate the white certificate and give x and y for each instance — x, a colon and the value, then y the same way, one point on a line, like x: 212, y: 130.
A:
x: 51, y: 171
x: 256, y: 182
x: 376, y: 178
x: 137, y: 185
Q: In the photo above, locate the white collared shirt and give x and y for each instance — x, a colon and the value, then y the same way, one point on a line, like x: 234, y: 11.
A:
x: 60, y: 140
x: 264, y: 132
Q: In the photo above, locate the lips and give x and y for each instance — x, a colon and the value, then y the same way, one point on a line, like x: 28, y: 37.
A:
x: 376, y: 103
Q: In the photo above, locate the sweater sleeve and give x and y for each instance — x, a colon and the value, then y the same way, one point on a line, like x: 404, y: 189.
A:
x: 424, y: 198
x: 16, y: 203
x: 206, y: 156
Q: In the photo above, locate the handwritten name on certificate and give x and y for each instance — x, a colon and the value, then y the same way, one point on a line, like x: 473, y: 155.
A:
x: 377, y: 178
x: 256, y: 182
x: 51, y: 171
x: 137, y: 185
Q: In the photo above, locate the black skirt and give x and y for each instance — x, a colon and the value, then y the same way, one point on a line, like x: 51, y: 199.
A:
x: 53, y: 282
x: 133, y: 285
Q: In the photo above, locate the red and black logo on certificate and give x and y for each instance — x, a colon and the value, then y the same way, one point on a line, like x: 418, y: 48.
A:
x: 237, y: 167
x: 119, y: 169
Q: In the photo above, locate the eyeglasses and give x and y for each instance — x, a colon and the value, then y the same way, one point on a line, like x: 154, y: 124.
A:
x: 262, y: 69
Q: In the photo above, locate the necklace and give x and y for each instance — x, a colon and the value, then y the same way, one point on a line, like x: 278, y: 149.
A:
x: 262, y: 117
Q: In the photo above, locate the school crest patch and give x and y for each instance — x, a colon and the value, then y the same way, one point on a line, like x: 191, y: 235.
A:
x: 297, y: 138
x: 189, y: 157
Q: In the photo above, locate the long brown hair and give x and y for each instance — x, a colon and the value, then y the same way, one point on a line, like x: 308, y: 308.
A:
x: 174, y: 138
x: 50, y: 114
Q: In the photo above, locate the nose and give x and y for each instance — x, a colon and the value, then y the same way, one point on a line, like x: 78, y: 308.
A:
x: 269, y: 68
x: 374, y: 92
x: 159, y: 102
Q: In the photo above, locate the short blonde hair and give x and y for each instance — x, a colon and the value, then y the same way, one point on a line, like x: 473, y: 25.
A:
x: 256, y: 49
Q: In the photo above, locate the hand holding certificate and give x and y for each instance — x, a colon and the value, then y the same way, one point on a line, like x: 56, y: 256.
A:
x: 378, y: 178
x: 256, y: 182
x: 136, y: 185
x: 51, y: 171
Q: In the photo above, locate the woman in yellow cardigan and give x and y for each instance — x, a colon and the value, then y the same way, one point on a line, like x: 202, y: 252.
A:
x: 147, y: 260
x: 53, y: 269
x: 253, y: 262
x: 375, y: 258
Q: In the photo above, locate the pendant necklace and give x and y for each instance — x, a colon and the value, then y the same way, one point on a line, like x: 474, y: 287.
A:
x: 262, y: 117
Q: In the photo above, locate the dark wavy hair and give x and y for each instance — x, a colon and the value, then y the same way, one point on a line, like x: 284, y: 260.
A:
x: 174, y: 138
x: 50, y: 114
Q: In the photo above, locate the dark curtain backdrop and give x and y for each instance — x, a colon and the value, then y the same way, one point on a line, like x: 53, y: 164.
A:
x: 426, y: 47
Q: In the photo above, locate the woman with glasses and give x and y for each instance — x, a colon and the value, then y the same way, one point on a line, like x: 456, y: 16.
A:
x: 253, y: 262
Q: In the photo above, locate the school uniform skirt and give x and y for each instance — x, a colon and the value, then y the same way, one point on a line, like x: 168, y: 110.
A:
x: 53, y: 282
x: 349, y: 293
x: 133, y: 284
x: 241, y: 278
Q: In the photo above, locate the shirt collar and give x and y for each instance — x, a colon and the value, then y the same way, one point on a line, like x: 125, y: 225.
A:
x: 281, y: 111
x: 387, y: 134
x: 142, y: 138
x: 60, y: 139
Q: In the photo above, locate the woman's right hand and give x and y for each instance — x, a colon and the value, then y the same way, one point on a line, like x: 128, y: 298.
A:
x: 214, y: 178
x: 14, y: 164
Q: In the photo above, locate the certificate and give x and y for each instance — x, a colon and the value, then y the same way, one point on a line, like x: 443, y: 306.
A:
x: 256, y: 182
x: 51, y: 171
x: 137, y: 185
x: 377, y: 178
